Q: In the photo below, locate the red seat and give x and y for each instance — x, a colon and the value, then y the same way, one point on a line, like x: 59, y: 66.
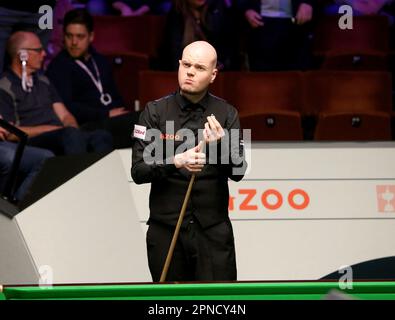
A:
x: 370, y: 34
x: 268, y: 103
x: 356, y: 62
x: 349, y: 105
x: 126, y: 67
x: 273, y: 126
x: 350, y: 91
x: 349, y: 126
x: 137, y: 34
x: 154, y: 85
x: 365, y: 47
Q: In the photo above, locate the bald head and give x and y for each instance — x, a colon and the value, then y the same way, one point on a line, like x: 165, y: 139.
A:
x: 20, y: 40
x: 202, y: 50
x: 32, y: 44
x: 197, y: 70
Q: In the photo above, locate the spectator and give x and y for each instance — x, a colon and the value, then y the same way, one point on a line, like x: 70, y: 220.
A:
x: 193, y: 20
x: 84, y: 80
x: 55, y: 43
x: 278, y: 34
x: 30, y: 101
x: 140, y: 7
x: 128, y: 7
x: 21, y: 15
x: 30, y: 164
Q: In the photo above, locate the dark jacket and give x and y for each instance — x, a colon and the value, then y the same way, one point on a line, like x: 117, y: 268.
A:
x: 28, y: 108
x: 210, y: 194
x: 218, y: 28
x: 77, y: 90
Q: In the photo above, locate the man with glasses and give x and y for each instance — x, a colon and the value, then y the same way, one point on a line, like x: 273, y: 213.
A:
x: 29, y: 100
x: 21, y: 14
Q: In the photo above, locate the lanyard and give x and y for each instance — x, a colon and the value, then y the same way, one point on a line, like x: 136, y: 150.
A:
x: 105, y: 98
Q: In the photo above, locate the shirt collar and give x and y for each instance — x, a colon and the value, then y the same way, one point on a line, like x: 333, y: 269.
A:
x: 184, y: 102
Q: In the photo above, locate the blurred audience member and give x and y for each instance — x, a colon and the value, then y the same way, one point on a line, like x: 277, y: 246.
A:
x: 55, y: 44
x: 128, y: 7
x: 140, y: 7
x: 31, y: 163
x: 84, y: 80
x: 193, y: 20
x: 29, y: 100
x: 278, y: 34
x: 21, y: 15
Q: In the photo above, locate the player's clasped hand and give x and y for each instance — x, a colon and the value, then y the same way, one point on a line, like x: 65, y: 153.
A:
x: 193, y: 159
x: 213, y: 130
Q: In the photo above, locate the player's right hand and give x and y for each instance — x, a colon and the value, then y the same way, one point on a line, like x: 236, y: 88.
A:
x: 193, y: 159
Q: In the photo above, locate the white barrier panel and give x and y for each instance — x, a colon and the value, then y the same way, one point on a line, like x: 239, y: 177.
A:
x: 85, y: 231
x: 307, y: 209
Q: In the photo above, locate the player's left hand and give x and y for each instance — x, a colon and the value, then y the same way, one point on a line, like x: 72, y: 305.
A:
x: 213, y: 130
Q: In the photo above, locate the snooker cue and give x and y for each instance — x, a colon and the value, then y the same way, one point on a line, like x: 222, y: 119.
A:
x: 177, y: 231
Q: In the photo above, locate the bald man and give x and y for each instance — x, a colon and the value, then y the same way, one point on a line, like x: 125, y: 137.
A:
x: 190, y: 131
x: 29, y: 100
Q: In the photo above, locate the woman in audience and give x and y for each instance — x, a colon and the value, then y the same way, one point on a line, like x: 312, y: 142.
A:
x: 140, y: 7
x: 192, y: 20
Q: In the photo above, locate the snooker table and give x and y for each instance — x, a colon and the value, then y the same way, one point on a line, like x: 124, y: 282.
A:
x: 308, y: 290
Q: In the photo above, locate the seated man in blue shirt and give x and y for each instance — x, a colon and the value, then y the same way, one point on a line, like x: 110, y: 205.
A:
x: 278, y: 34
x: 28, y: 100
x: 84, y: 80
x: 31, y: 163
